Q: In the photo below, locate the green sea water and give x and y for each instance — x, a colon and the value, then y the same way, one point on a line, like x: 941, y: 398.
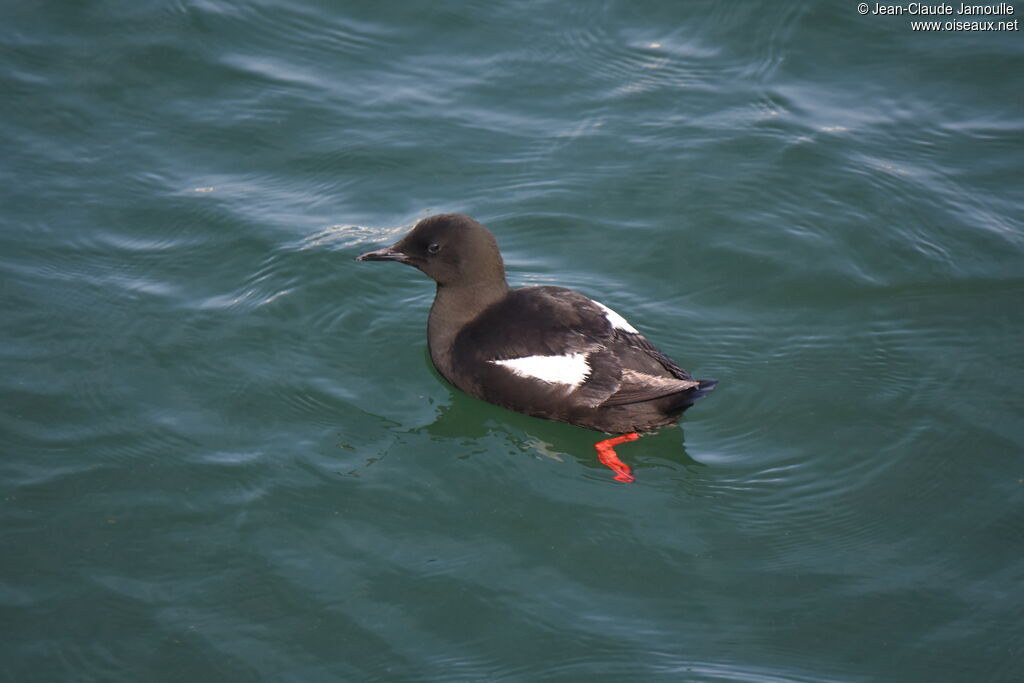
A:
x: 226, y: 456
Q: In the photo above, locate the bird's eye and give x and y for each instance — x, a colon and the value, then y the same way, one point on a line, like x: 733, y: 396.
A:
x: 433, y: 248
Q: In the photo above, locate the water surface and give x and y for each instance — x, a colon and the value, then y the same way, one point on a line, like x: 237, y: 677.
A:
x: 227, y: 456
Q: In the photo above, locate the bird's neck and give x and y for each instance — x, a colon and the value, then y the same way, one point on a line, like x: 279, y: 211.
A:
x: 454, y: 306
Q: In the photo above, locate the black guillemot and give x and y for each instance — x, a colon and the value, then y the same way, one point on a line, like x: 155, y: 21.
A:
x: 549, y: 352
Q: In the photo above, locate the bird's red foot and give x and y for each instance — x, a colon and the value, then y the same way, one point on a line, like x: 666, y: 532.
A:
x: 606, y: 454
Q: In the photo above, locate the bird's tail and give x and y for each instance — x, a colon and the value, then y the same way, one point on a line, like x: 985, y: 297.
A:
x: 703, y: 389
x: 687, y: 398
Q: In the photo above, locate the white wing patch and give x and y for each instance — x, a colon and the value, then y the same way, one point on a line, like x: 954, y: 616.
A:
x: 571, y: 369
x: 616, y: 320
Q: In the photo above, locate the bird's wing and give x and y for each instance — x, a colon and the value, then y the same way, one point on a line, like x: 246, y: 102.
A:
x: 548, y: 345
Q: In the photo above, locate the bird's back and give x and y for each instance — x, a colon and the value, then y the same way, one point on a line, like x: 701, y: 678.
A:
x: 554, y: 353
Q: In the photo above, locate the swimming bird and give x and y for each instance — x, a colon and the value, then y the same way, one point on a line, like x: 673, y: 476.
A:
x: 548, y: 352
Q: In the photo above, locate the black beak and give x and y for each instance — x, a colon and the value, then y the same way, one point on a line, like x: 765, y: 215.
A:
x: 385, y: 254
